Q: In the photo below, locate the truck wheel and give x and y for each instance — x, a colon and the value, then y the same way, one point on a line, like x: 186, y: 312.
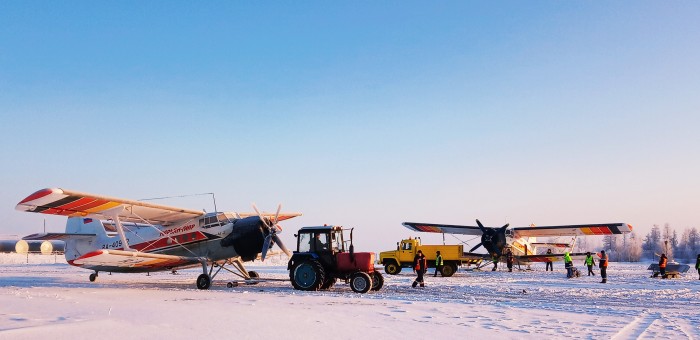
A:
x: 377, y: 280
x: 392, y: 268
x: 360, y: 282
x: 308, y: 275
x: 448, y: 270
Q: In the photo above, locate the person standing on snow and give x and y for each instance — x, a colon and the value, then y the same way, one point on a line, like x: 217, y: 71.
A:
x: 603, y: 265
x: 569, y: 265
x: 548, y: 265
x: 495, y: 262
x: 663, y: 260
x: 509, y: 260
x: 438, y: 263
x: 590, y: 263
x: 420, y: 265
x: 697, y: 266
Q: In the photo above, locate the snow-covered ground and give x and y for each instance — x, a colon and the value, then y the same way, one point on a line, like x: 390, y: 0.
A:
x: 50, y: 299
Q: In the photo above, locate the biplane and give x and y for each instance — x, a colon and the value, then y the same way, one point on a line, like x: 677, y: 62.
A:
x: 522, y: 241
x: 108, y: 234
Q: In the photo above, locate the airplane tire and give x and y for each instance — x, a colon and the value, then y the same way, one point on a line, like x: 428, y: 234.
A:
x: 93, y: 277
x: 377, y: 280
x: 392, y: 268
x: 308, y: 275
x: 360, y: 282
x: 203, y: 281
x: 253, y: 275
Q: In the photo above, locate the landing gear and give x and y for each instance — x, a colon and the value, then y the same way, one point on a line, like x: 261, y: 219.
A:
x: 203, y: 281
x: 93, y: 277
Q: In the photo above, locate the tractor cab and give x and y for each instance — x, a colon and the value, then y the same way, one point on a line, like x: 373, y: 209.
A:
x: 323, y: 239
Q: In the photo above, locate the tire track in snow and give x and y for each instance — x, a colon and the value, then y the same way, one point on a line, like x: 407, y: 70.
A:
x: 637, y: 327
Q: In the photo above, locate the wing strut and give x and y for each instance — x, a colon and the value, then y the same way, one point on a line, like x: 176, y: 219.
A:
x: 114, y: 214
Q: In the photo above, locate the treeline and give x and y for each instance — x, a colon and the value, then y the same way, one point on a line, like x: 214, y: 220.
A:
x: 632, y: 248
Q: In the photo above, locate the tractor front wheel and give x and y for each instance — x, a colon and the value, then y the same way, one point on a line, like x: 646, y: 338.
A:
x: 308, y: 275
x: 360, y: 282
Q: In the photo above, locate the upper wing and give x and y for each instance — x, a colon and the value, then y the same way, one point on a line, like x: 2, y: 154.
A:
x: 55, y: 201
x: 131, y: 259
x: 574, y: 230
x: 442, y: 228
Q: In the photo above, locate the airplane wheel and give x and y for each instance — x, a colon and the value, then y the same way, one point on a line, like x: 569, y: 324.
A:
x: 203, y: 281
x: 93, y: 277
x: 308, y: 275
x: 377, y: 280
x: 253, y: 275
x: 360, y: 282
x: 392, y: 268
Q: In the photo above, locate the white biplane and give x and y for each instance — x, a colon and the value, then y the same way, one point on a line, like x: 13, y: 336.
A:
x: 118, y: 235
x: 522, y: 241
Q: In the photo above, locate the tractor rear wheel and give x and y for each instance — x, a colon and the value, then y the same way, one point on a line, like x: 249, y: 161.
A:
x: 360, y: 282
x: 392, y: 268
x: 377, y: 280
x: 308, y: 275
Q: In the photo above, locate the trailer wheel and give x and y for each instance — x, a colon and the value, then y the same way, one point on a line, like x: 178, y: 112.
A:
x: 448, y: 269
x: 392, y: 268
x: 308, y: 275
x: 360, y: 282
x: 377, y: 280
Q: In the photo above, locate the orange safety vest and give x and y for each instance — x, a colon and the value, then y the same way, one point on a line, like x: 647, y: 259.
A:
x: 421, y: 263
x: 662, y: 262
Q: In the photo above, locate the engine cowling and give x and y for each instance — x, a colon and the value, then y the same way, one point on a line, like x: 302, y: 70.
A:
x: 246, y: 238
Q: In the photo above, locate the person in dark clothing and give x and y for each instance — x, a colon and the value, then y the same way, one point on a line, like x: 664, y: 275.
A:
x: 438, y: 263
x: 548, y: 265
x: 662, y: 265
x: 420, y: 265
x: 697, y: 266
x: 603, y: 265
x: 509, y: 260
x: 590, y: 263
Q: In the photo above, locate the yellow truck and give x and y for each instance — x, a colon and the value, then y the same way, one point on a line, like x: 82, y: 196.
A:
x: 453, y: 256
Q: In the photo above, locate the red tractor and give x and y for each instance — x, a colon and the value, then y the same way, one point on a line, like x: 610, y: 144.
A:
x: 321, y: 259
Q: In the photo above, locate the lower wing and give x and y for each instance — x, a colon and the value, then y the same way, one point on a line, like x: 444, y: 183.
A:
x: 133, y: 259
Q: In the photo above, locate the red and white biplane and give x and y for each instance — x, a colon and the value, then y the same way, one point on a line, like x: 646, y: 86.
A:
x: 111, y: 234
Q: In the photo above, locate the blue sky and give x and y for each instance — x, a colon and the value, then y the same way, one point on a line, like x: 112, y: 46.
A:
x: 363, y: 114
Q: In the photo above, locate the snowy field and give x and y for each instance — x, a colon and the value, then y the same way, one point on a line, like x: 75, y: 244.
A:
x: 50, y: 299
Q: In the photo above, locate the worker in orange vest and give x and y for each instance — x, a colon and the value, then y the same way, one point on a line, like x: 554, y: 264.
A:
x: 420, y: 266
x: 603, y: 265
x: 662, y: 265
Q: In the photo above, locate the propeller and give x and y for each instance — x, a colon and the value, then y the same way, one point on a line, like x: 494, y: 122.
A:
x: 273, y: 229
x: 493, y: 239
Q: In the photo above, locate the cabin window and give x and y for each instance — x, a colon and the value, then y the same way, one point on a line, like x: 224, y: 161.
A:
x: 406, y: 246
x: 304, y: 244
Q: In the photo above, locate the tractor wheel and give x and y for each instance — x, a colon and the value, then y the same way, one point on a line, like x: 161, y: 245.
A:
x: 203, y: 281
x: 392, y: 268
x: 308, y: 275
x: 448, y: 270
x: 360, y: 282
x: 377, y: 280
x: 328, y: 284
